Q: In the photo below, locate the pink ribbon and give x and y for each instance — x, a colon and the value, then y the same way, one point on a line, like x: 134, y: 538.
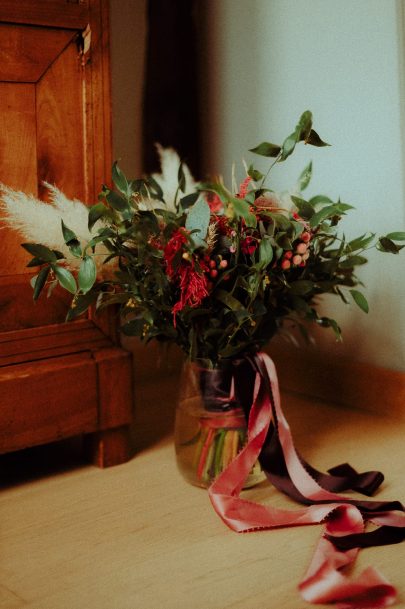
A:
x: 324, y: 582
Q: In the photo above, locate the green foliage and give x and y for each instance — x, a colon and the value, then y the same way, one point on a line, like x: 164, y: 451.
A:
x: 216, y: 272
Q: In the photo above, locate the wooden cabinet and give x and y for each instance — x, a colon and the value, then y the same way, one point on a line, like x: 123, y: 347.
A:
x: 56, y: 379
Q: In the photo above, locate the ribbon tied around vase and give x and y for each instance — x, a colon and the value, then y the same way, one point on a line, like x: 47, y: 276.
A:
x: 255, y: 387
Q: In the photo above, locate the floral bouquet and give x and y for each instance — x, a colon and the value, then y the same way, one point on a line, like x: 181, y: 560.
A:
x: 217, y: 271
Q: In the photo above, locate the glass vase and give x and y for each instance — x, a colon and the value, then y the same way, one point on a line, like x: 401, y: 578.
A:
x: 210, y: 426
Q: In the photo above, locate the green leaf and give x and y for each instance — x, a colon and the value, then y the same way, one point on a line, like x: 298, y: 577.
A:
x: 266, y: 149
x: 314, y: 139
x: 385, y: 244
x: 352, y: 261
x: 135, y: 327
x: 289, y: 145
x: 242, y: 210
x: 230, y: 301
x: 303, y: 128
x: 255, y: 174
x: 80, y: 304
x: 71, y: 240
x: 305, y: 208
x: 155, y: 188
x: 360, y: 300
x: 40, y: 251
x: 328, y: 212
x: 198, y: 219
x: 95, y: 213
x: 120, y: 180
x: 397, y: 236
x: 181, y: 178
x: 40, y: 281
x: 34, y: 262
x: 360, y: 242
x: 68, y: 234
x: 65, y: 278
x: 116, y: 201
x: 301, y: 132
x: 301, y: 287
x: 305, y: 177
x: 87, y: 274
x: 320, y: 200
x: 189, y: 200
x: 265, y: 252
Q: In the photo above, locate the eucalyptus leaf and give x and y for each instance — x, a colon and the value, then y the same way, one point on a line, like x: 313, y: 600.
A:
x: 80, y: 304
x: 305, y: 208
x: 255, y: 174
x: 41, y: 252
x: 116, y: 201
x: 304, y: 126
x: 314, y: 139
x: 396, y: 236
x: 198, y: 219
x: 361, y: 242
x: 95, y: 213
x: 40, y: 281
x: 65, y: 278
x: 301, y: 287
x: 189, y: 200
x: 68, y: 234
x: 360, y: 300
x: 87, y: 274
x: 181, y: 178
x: 266, y: 149
x: 305, y: 177
x: 387, y: 245
x: 265, y: 252
x: 352, y: 261
x: 120, y: 180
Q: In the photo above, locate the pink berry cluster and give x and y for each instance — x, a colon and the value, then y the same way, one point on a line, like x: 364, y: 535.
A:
x: 299, y: 255
x: 216, y: 265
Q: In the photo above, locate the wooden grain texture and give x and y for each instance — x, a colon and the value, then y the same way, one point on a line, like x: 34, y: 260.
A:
x: 114, y: 371
x: 65, y: 390
x: 19, y: 311
x: 50, y: 341
x: 63, y: 135
x: 138, y: 536
x: 55, y: 13
x: 27, y: 52
x: 109, y: 447
x: 60, y: 127
x: 17, y: 162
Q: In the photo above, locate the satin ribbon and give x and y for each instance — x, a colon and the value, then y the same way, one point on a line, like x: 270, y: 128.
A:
x: 270, y: 440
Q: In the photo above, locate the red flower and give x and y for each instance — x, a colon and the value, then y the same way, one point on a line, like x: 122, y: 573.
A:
x: 193, y: 286
x: 248, y: 245
x: 173, y: 246
x: 243, y: 188
x: 222, y: 225
x: 214, y: 202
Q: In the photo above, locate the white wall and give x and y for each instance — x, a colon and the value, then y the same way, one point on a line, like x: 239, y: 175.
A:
x: 265, y: 61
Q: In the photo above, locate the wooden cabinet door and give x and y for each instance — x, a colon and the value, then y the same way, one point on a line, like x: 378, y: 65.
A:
x: 56, y: 379
x: 54, y: 125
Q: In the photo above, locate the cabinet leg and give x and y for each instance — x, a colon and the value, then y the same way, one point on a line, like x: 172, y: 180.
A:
x: 109, y: 447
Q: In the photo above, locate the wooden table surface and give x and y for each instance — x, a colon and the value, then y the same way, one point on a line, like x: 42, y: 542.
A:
x: 136, y: 536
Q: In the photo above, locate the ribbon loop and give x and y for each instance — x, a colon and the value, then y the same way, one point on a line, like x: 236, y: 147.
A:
x: 270, y: 440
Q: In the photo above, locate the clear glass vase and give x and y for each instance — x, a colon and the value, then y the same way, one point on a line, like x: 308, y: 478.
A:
x: 210, y: 427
